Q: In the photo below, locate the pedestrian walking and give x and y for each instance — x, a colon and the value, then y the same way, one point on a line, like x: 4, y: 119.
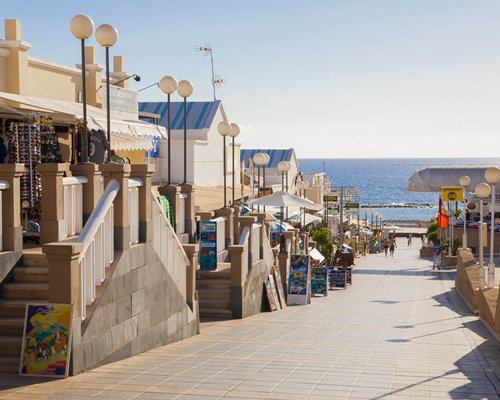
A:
x: 436, y: 259
x: 386, y: 246
x: 409, y: 239
x: 422, y: 238
x: 392, y: 246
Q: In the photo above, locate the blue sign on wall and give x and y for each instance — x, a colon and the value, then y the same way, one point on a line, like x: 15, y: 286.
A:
x: 208, y: 245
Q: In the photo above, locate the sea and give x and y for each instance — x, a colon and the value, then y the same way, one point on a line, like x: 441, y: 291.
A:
x: 384, y: 180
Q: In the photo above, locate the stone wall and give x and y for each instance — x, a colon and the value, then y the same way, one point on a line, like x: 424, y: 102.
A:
x: 8, y: 260
x: 140, y: 308
x: 467, y: 279
x: 250, y: 299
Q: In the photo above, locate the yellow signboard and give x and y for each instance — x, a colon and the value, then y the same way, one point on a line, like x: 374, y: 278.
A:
x: 452, y: 193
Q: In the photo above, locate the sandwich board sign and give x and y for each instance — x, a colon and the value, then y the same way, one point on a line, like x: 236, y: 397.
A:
x: 208, y: 245
x: 299, y: 282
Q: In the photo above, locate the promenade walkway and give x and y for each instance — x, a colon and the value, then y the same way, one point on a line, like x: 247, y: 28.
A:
x: 399, y: 332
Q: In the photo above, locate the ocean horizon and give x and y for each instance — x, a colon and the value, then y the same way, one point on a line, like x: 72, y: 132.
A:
x: 384, y: 180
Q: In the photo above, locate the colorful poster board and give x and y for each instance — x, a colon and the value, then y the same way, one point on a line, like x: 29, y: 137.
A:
x: 452, y: 193
x: 275, y: 292
x: 279, y: 286
x: 270, y: 295
x: 348, y: 276
x: 299, y: 282
x: 319, y: 280
x: 337, y: 278
x: 46, y: 343
x: 208, y: 245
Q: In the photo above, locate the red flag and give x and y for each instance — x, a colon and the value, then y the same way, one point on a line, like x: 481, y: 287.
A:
x: 443, y: 219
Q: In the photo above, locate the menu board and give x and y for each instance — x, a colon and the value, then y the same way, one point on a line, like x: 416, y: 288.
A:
x: 46, y: 342
x: 279, y: 286
x: 275, y: 293
x: 270, y: 294
x: 208, y: 245
x: 348, y: 278
x: 319, y: 280
x: 337, y: 278
x: 299, y: 282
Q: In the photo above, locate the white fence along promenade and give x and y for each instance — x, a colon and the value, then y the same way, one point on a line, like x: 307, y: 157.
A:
x: 73, y: 205
x: 133, y: 209
x: 168, y: 247
x: 3, y: 186
x: 97, y: 237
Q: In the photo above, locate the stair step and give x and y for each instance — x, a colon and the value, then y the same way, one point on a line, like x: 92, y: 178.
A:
x: 31, y: 274
x: 215, y: 303
x: 9, y: 364
x: 11, y: 326
x: 214, y: 293
x: 35, y: 260
x: 208, y: 275
x: 212, y: 283
x: 13, y: 308
x: 215, y: 313
x: 26, y: 290
x: 10, y: 345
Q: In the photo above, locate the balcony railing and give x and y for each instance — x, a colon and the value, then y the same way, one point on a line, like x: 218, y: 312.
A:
x: 73, y: 205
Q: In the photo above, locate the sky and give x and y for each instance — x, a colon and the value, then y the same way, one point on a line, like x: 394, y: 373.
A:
x: 338, y: 78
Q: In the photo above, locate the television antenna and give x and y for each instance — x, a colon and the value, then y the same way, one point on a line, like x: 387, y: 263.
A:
x: 217, y: 81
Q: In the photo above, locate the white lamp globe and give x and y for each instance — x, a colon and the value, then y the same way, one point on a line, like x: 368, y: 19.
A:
x: 260, y: 159
x: 81, y: 26
x: 464, y: 181
x: 267, y: 158
x: 492, y: 175
x: 168, y: 84
x: 106, y: 35
x: 224, y: 128
x: 185, y: 88
x: 289, y: 165
x: 283, y: 166
x: 235, y: 130
x: 483, y: 190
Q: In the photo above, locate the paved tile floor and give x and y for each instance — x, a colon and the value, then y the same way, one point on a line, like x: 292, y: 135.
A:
x: 399, y: 332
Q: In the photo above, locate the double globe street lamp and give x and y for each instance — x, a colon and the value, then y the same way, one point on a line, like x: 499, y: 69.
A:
x: 82, y: 28
x: 224, y: 128
x: 185, y: 89
x: 492, y: 176
x: 168, y: 85
x: 464, y: 182
x: 107, y: 36
x: 482, y: 191
x: 235, y: 131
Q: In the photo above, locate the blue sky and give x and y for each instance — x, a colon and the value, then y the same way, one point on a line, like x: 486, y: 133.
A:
x: 350, y: 78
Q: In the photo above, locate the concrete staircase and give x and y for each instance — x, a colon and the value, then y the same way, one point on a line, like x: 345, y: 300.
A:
x: 213, y: 292
x: 27, y: 283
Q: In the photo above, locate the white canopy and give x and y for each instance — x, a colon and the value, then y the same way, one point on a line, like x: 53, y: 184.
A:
x: 128, y: 132
x: 432, y: 179
x: 285, y: 199
x: 309, y: 218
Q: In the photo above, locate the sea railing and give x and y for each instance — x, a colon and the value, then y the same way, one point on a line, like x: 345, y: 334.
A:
x: 133, y: 208
x: 97, y: 237
x: 255, y: 242
x: 4, y: 185
x: 168, y: 247
x: 73, y: 205
x: 245, y: 259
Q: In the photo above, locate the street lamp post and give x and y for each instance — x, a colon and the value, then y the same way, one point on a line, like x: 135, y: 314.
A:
x: 284, y: 167
x: 464, y: 182
x: 224, y: 129
x: 107, y: 36
x: 185, y: 89
x: 492, y: 176
x: 482, y: 191
x: 235, y: 131
x: 82, y: 27
x: 259, y: 159
x: 168, y: 85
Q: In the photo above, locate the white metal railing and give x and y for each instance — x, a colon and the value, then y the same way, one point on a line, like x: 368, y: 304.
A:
x: 255, y: 242
x: 221, y: 233
x: 97, y: 237
x: 133, y: 209
x: 245, y: 235
x: 3, y: 186
x: 73, y: 205
x: 168, y: 247
x: 182, y: 213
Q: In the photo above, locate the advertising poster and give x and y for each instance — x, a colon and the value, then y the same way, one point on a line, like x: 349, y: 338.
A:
x: 319, y: 280
x: 299, y: 282
x: 337, y: 278
x: 279, y: 286
x: 270, y: 295
x: 208, y: 245
x: 46, y: 340
x: 348, y: 275
x: 275, y: 293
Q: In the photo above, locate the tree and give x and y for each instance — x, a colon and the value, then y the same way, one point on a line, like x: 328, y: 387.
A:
x: 321, y: 235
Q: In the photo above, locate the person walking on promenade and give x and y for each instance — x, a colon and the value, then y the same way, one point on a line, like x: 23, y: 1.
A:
x: 392, y: 246
x: 386, y: 246
x: 422, y: 238
x: 409, y: 239
x: 436, y: 259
